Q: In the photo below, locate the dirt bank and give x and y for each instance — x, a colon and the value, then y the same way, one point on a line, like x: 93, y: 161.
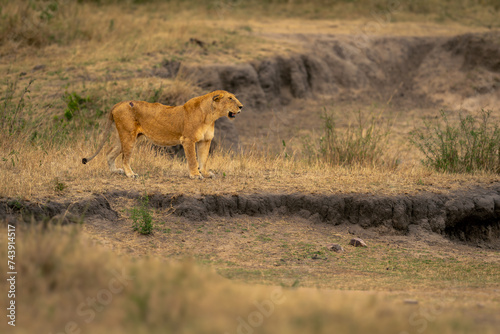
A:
x: 468, y: 217
x: 410, y: 71
x: 457, y: 73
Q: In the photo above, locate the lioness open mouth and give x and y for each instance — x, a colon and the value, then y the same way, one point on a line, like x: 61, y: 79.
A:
x: 231, y: 115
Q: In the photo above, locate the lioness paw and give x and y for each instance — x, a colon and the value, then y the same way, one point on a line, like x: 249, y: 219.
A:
x: 192, y: 177
x: 209, y: 175
x: 118, y: 171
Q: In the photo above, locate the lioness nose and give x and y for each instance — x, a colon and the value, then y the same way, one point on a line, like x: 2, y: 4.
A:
x: 240, y: 107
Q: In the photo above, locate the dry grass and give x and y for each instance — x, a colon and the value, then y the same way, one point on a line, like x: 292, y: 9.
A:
x: 45, y: 22
x: 123, y: 33
x: 180, y: 297
x: 239, y: 29
x: 31, y: 172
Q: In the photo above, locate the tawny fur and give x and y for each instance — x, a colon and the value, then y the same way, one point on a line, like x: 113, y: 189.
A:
x: 191, y: 125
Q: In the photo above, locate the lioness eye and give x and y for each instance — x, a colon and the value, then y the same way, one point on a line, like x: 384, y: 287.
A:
x: 230, y: 98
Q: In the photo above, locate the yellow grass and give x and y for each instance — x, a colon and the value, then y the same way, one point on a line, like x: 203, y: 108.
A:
x: 120, y: 31
x: 31, y: 172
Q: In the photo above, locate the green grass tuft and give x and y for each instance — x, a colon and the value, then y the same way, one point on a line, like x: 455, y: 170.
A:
x: 141, y: 217
x: 472, y: 144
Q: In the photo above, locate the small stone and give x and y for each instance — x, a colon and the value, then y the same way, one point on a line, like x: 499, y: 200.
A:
x: 39, y: 67
x: 411, y: 301
x: 357, y: 242
x: 335, y: 248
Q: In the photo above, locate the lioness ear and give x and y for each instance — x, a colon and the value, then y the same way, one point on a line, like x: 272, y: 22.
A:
x: 217, y: 98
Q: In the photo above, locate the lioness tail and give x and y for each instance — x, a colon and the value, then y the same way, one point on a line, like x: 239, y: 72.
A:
x: 105, y: 137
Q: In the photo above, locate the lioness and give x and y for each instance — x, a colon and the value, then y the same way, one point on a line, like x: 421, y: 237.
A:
x: 189, y: 124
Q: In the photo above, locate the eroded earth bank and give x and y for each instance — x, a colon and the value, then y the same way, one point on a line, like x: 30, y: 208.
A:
x: 472, y: 217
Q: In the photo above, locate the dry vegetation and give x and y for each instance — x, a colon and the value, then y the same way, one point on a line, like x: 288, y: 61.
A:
x: 65, y: 63
x: 32, y: 173
x: 60, y: 272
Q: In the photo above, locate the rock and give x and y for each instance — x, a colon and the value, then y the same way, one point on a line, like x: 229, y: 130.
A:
x: 335, y: 248
x: 357, y: 242
x: 198, y: 42
x: 39, y: 67
x: 411, y: 301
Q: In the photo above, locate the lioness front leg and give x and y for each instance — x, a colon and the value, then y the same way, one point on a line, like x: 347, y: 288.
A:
x: 190, y: 151
x: 203, y: 150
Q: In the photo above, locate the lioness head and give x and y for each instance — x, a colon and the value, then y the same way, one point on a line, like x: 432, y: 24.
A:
x: 226, y: 104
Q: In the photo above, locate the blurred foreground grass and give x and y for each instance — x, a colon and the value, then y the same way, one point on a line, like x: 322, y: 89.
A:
x: 67, y: 284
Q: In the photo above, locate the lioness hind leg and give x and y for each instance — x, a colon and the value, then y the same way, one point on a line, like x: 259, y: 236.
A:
x: 113, y: 153
x: 127, y: 148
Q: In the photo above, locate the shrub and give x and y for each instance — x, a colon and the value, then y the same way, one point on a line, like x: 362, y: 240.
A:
x: 59, y: 185
x: 469, y: 145
x: 80, y: 116
x: 360, y: 144
x: 141, y: 217
x: 74, y: 104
